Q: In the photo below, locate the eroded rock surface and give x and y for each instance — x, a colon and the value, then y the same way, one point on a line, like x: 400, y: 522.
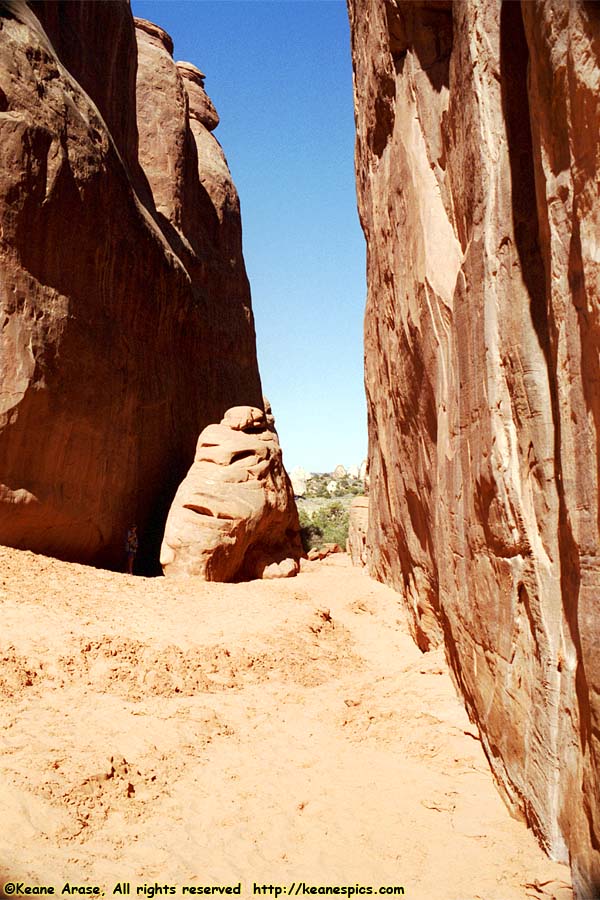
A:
x: 477, y: 170
x: 234, y: 516
x: 358, y: 524
x: 126, y: 323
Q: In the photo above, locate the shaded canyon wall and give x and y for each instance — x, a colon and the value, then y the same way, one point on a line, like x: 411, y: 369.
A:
x: 126, y: 322
x: 477, y: 163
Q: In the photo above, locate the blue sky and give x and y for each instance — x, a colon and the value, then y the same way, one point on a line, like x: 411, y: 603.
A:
x: 279, y: 73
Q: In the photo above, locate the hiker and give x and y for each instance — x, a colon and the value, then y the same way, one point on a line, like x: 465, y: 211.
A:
x: 131, y: 546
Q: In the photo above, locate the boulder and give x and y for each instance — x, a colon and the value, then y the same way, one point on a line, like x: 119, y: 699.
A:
x: 331, y: 547
x: 234, y: 517
x: 299, y: 477
x: 477, y: 164
x: 317, y: 553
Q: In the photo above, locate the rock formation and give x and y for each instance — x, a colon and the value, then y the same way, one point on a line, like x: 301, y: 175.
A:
x: 477, y: 163
x: 126, y: 320
x: 358, y: 523
x: 317, y: 553
x: 299, y: 478
x: 363, y: 472
x: 234, y: 516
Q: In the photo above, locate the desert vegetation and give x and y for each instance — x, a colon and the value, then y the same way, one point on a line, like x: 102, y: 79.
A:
x: 324, y: 509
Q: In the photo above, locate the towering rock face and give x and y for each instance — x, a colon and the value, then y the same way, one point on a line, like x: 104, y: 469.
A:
x: 126, y: 321
x: 477, y: 170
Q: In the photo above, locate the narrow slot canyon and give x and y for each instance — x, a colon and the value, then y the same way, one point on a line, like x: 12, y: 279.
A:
x: 229, y: 661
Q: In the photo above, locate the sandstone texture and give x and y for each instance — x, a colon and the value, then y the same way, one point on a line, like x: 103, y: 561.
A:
x: 234, y: 517
x: 358, y: 524
x: 477, y: 162
x: 126, y: 322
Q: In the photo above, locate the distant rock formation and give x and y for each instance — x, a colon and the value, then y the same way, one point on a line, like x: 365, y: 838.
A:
x: 126, y: 323
x: 234, y: 517
x: 477, y: 157
x: 357, y: 531
x: 299, y: 478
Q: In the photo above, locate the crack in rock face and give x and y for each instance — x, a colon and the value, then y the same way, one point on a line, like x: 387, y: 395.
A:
x: 234, y: 517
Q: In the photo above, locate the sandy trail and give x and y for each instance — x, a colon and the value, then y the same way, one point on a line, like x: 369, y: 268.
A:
x: 157, y: 730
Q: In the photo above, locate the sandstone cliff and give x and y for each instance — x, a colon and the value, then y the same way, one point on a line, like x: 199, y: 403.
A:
x: 126, y: 318
x: 477, y: 163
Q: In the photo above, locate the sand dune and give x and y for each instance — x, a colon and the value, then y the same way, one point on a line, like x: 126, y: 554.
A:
x: 181, y: 733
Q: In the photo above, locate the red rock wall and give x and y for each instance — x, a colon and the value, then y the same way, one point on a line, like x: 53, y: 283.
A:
x: 477, y: 164
x: 125, y: 328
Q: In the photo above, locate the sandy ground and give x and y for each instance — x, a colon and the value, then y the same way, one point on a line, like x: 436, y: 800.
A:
x: 173, y: 732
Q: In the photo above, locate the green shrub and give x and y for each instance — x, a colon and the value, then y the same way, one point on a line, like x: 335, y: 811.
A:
x: 316, y: 486
x: 347, y: 486
x: 327, y: 525
x: 310, y: 534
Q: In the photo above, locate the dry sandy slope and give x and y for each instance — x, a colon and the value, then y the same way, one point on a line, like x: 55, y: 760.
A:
x: 247, y: 738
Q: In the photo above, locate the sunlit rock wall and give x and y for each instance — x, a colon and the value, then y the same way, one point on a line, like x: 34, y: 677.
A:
x: 477, y: 163
x: 126, y: 323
